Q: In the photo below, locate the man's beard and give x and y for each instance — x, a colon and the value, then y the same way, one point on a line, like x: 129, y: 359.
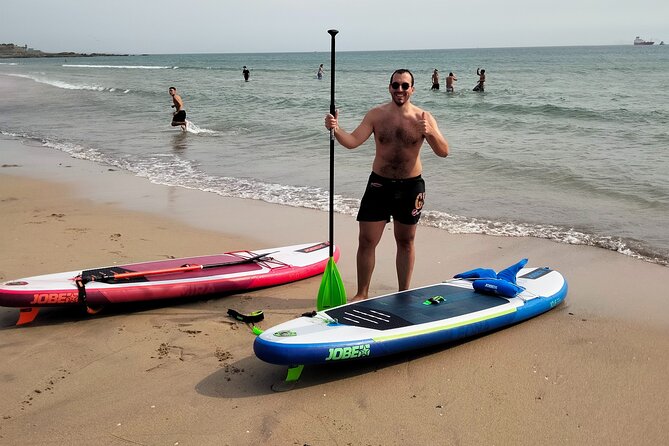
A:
x: 400, y: 101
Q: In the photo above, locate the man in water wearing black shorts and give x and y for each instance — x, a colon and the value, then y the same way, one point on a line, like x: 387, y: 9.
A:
x: 395, y: 187
x: 179, y: 117
x: 479, y: 86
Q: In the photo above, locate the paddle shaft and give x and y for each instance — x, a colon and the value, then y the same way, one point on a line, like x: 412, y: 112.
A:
x: 333, y: 33
x: 331, y: 292
x: 181, y: 269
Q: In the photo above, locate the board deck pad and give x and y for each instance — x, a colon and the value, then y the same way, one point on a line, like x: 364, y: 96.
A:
x: 536, y: 273
x: 384, y: 313
x: 97, y: 273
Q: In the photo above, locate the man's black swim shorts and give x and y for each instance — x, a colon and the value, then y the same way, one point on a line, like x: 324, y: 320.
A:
x: 384, y: 197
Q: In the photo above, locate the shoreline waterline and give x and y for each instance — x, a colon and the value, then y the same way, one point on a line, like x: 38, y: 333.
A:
x: 318, y: 201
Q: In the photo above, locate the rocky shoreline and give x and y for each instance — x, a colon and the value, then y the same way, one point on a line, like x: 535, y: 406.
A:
x: 12, y: 51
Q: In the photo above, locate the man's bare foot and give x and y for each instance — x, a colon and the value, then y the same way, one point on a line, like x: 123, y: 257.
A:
x: 358, y: 298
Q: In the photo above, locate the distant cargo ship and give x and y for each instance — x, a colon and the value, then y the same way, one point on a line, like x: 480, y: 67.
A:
x: 640, y: 41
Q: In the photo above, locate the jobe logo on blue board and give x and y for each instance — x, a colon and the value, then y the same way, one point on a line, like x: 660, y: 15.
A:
x: 357, y: 351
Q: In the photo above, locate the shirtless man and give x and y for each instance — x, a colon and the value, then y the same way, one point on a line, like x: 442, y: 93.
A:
x: 449, y: 82
x: 179, y: 117
x: 395, y: 187
x: 435, y: 80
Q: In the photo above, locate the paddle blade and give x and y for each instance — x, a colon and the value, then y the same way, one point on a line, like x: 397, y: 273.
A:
x: 331, y: 293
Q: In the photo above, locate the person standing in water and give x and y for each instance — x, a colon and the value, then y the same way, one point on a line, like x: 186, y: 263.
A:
x: 320, y: 72
x: 479, y: 86
x: 179, y: 116
x: 395, y: 187
x: 246, y: 73
x: 449, y: 82
x: 435, y: 80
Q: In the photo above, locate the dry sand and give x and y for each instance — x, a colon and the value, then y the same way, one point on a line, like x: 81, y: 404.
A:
x: 590, y: 371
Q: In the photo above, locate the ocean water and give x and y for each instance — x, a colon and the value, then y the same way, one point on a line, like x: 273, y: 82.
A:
x: 566, y: 143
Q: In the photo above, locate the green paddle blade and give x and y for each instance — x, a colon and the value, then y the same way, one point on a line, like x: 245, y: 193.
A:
x: 331, y: 293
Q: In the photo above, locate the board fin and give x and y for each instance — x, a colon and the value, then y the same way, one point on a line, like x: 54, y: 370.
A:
x: 27, y: 315
x: 93, y: 310
x: 292, y: 376
x: 294, y: 373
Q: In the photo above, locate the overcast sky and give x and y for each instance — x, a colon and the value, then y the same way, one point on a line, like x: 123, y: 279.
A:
x: 239, y: 26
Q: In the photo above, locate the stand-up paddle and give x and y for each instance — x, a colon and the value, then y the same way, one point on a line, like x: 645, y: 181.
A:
x: 113, y: 277
x: 331, y: 292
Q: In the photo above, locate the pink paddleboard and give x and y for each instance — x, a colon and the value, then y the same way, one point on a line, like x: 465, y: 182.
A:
x: 166, y: 279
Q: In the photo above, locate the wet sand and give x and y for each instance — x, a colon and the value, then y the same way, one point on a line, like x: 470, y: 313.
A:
x: 591, y: 371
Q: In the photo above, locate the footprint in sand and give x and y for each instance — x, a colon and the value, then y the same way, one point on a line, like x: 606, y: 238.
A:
x: 78, y: 230
x: 222, y: 355
x: 47, y: 387
x: 165, y: 350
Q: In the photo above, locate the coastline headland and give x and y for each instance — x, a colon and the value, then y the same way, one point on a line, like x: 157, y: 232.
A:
x: 10, y: 51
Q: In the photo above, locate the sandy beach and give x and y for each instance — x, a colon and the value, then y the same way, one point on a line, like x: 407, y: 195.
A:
x: 591, y: 371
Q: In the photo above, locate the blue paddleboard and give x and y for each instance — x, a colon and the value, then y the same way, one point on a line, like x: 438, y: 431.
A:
x: 413, y: 319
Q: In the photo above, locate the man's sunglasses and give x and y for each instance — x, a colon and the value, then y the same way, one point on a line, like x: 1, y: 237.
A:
x: 396, y: 86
